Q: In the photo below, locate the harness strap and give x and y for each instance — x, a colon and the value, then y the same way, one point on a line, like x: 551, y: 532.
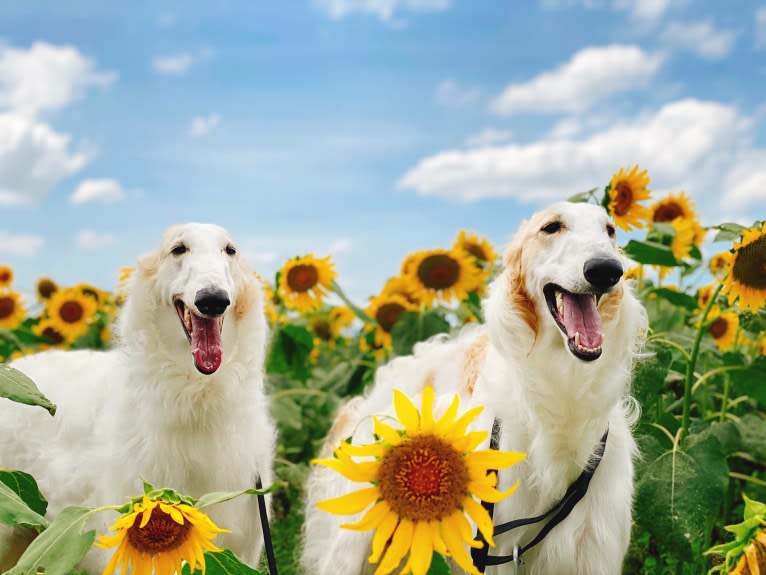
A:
x: 267, y: 544
x: 574, y: 493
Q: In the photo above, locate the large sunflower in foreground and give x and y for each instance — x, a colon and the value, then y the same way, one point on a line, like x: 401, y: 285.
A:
x: 304, y: 282
x: 423, y: 480
x: 747, y: 274
x: 443, y: 274
x: 12, y: 311
x: 6, y: 276
x: 385, y: 309
x: 70, y: 312
x: 158, y: 537
x: 626, y: 190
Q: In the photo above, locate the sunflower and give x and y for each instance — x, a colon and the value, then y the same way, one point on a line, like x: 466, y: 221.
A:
x: 159, y: 537
x: 373, y: 341
x: 70, y: 311
x: 746, y: 554
x: 625, y: 191
x: 49, y: 330
x: 6, y: 276
x: 762, y: 345
x: 12, y: 311
x: 45, y: 288
x: 747, y: 275
x: 443, y: 274
x: 720, y: 263
x: 304, y: 281
x: 723, y: 328
x: 385, y: 310
x: 683, y: 240
x: 633, y: 273
x: 477, y: 247
x: 703, y: 295
x: 671, y: 207
x: 401, y: 285
x: 424, y: 479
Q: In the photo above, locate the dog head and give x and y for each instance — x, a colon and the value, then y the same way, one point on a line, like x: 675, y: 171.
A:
x: 563, y: 277
x: 192, y: 296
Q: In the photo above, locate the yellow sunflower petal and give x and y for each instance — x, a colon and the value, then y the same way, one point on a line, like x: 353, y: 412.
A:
x: 454, y: 542
x: 387, y: 433
x: 363, y: 472
x: 427, y: 410
x: 422, y: 548
x: 382, y: 535
x: 372, y: 518
x: 446, y: 420
x: 369, y: 449
x: 400, y: 543
x: 494, y: 459
x: 481, y: 518
x: 458, y: 428
x: 350, y: 503
x: 406, y: 412
x: 490, y: 494
x: 470, y: 441
x: 436, y: 537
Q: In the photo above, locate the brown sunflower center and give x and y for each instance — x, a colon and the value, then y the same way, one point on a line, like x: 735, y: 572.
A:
x: 7, y: 306
x: 302, y: 278
x: 46, y: 288
x: 623, y: 198
x: 749, y: 267
x: 667, y: 212
x: 476, y: 251
x: 52, y: 334
x: 321, y: 328
x: 90, y: 292
x: 71, y: 311
x: 5, y: 277
x: 387, y: 315
x: 423, y: 479
x: 439, y: 271
x: 718, y: 328
x: 159, y: 535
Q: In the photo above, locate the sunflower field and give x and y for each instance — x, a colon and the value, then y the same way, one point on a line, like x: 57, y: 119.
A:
x: 700, y: 482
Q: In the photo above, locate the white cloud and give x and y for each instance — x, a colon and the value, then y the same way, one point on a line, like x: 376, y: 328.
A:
x: 449, y: 93
x: 760, y: 28
x: 646, y: 10
x: 701, y: 38
x: 746, y: 183
x: 383, y: 9
x: 340, y: 246
x: 203, y: 125
x: 687, y: 144
x: 592, y: 75
x: 104, y: 190
x: 33, y: 159
x: 25, y: 245
x: 45, y: 77
x: 488, y: 137
x: 92, y: 241
x: 176, y: 65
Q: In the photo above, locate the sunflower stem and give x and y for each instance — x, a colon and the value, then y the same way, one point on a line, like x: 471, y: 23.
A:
x: 357, y: 310
x: 725, y: 398
x: 691, y: 364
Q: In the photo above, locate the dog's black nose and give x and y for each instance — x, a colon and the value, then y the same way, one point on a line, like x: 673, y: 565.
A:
x: 602, y: 273
x: 212, y: 301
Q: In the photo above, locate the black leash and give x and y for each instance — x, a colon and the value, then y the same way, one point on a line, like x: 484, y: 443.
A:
x: 574, y: 493
x: 268, y: 546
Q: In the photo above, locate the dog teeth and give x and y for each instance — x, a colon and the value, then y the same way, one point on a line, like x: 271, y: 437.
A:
x: 560, y: 302
x: 577, y: 339
x: 583, y: 347
x: 187, y: 318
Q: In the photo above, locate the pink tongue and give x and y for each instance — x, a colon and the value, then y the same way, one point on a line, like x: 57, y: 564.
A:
x: 206, y: 343
x: 580, y: 315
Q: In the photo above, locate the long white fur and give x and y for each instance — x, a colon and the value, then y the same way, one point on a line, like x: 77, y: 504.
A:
x: 143, y: 411
x: 552, y: 405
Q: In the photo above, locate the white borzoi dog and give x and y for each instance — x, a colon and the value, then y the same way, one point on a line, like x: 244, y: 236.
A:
x: 553, y: 364
x: 178, y: 402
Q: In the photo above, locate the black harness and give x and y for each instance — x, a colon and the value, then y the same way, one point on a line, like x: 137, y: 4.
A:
x: 557, y: 513
x: 267, y: 544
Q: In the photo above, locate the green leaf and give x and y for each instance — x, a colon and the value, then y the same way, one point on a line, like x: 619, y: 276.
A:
x: 649, y: 376
x: 728, y: 232
x: 751, y: 381
x: 679, y: 493
x: 25, y: 486
x: 14, y: 511
x: 18, y: 387
x: 583, y: 196
x: 651, y: 253
x: 677, y: 298
x: 290, y: 349
x: 222, y: 563
x: 438, y: 566
x: 60, y: 547
x: 752, y: 430
x: 222, y: 496
x: 412, y: 327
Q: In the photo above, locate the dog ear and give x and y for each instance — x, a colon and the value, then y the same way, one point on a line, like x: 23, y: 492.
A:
x: 518, y: 296
x: 148, y: 266
x: 248, y: 285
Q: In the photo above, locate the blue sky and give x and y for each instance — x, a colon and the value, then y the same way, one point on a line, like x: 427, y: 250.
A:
x: 363, y: 129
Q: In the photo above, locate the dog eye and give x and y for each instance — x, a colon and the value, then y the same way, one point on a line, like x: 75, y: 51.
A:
x: 179, y: 249
x: 230, y: 250
x: 552, y: 227
x: 610, y: 230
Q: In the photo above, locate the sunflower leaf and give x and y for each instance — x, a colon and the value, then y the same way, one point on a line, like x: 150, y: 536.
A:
x: 728, y: 232
x: 26, y: 488
x: 675, y: 297
x: 651, y: 253
x: 438, y: 566
x: 60, y: 547
x: 16, y: 386
x: 222, y: 496
x: 15, y: 511
x: 412, y: 327
x: 222, y: 563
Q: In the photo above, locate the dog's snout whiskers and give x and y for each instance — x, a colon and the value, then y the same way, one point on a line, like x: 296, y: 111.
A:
x: 602, y: 273
x: 212, y: 301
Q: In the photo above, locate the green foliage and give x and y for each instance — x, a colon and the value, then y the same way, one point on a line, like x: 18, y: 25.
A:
x: 223, y: 563
x: 25, y: 486
x: 438, y: 566
x: 413, y: 327
x: 15, y: 511
x: 18, y: 387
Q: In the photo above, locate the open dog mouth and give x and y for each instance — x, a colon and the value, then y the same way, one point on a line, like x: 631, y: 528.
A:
x: 204, y: 335
x: 577, y: 316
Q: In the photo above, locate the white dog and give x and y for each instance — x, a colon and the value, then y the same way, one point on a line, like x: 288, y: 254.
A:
x: 179, y: 402
x: 553, y: 365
